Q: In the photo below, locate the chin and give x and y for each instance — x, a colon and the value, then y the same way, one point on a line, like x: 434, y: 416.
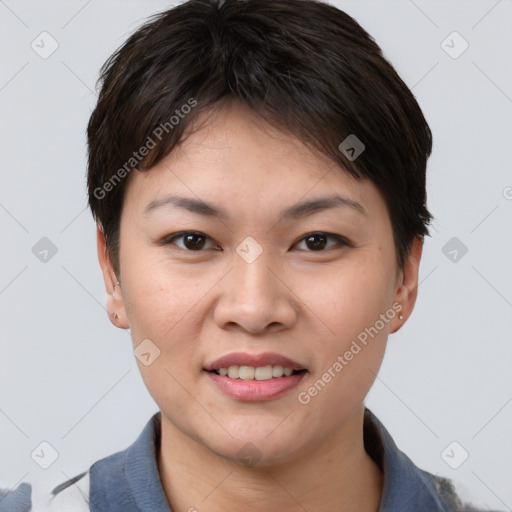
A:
x: 258, y: 450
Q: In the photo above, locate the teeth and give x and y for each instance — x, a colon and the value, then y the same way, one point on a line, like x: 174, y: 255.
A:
x: 255, y: 373
x: 277, y: 371
x: 233, y: 372
x: 263, y: 373
x: 246, y: 372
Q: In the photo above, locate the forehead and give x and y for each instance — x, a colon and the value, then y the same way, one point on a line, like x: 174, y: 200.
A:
x: 232, y: 151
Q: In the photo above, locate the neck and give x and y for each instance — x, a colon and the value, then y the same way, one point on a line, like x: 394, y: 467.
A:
x: 337, y: 475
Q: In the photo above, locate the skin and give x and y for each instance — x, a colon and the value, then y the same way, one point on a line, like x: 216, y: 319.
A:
x: 305, y: 303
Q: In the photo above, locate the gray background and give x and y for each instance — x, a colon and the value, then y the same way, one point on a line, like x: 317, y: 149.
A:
x: 68, y: 377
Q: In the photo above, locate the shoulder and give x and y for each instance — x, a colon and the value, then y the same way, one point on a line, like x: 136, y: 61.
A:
x: 406, y: 486
x: 17, y: 499
x: 449, y: 493
x: 70, y: 496
x: 446, y: 491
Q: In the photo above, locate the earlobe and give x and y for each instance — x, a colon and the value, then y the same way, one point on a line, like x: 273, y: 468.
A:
x: 114, y: 301
x: 407, y: 285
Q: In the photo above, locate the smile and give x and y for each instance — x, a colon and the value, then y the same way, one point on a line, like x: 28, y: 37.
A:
x: 250, y: 389
x: 255, y: 373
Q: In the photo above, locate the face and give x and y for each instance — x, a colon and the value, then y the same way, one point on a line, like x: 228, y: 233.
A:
x: 314, y: 289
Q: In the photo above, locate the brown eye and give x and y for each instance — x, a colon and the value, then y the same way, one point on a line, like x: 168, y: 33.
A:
x: 317, y: 242
x: 192, y: 241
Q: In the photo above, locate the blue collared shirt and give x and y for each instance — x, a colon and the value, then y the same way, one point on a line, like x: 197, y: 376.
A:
x: 129, y: 481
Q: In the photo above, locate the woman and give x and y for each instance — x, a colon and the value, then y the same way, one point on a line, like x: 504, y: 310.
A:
x: 257, y: 174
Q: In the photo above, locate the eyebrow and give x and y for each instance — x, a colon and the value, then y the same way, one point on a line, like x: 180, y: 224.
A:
x: 296, y: 211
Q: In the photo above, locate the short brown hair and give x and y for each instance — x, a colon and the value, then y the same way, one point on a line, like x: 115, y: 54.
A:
x: 305, y: 66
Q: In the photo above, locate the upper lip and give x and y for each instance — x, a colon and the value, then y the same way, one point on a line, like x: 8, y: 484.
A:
x: 246, y: 359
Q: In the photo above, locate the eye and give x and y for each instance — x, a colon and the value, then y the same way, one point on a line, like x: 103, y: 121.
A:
x: 192, y: 240
x: 318, y: 241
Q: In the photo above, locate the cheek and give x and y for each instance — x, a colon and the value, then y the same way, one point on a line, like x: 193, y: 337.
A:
x: 165, y: 311
x: 350, y: 350
x: 348, y: 300
x: 160, y: 297
x: 165, y: 304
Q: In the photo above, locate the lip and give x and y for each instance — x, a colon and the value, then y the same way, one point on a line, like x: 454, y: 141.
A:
x: 246, y: 359
x: 255, y: 390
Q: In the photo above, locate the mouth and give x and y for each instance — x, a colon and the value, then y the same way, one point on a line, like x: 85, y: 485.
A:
x: 263, y: 366
x: 256, y: 372
x: 253, y: 377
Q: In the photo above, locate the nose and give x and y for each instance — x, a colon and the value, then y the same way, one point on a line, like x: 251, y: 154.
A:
x: 255, y: 297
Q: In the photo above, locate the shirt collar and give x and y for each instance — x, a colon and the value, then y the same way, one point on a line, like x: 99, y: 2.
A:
x: 406, y: 487
x: 129, y: 481
x: 142, y: 469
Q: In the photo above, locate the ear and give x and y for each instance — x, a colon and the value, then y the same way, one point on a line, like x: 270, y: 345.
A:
x: 115, y: 302
x: 407, y: 285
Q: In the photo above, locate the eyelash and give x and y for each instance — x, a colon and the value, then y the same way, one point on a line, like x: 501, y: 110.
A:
x: 341, y: 241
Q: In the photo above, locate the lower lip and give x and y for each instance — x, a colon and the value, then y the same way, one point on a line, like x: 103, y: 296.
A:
x: 254, y: 390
